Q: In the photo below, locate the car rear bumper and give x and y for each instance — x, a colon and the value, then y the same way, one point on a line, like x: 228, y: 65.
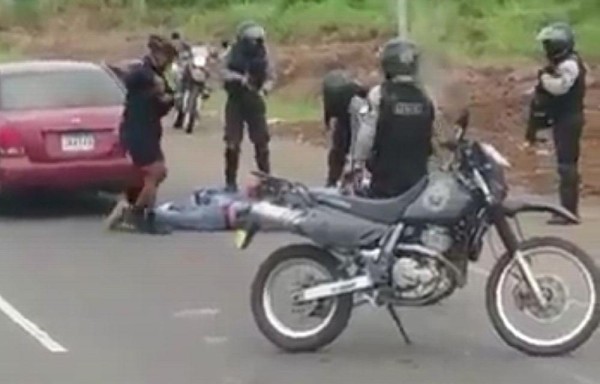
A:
x: 21, y: 173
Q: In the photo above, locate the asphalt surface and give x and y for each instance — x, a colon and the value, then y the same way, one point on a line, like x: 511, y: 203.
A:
x: 129, y: 309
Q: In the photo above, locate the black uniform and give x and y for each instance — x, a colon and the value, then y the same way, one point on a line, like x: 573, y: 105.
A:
x: 402, y: 143
x: 245, y: 106
x: 567, y: 115
x: 141, y: 127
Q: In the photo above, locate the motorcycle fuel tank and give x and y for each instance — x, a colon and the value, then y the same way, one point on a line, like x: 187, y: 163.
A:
x: 445, y: 200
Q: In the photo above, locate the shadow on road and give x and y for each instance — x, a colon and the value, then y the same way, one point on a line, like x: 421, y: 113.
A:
x: 55, y: 205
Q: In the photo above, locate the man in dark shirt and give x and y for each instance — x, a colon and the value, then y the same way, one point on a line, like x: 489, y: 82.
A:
x: 148, y: 100
x: 339, y: 90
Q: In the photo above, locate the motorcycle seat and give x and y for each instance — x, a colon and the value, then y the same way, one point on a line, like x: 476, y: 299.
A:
x: 384, y: 211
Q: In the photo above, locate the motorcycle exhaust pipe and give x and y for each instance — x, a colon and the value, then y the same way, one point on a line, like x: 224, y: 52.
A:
x: 268, y: 215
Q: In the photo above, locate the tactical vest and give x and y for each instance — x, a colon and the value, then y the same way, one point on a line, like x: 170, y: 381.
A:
x: 571, y: 103
x: 255, y: 67
x: 405, y: 126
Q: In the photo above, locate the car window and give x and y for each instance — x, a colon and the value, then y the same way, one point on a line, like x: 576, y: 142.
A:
x: 59, y: 89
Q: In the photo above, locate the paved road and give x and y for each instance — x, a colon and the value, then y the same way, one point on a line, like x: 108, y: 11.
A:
x: 125, y: 309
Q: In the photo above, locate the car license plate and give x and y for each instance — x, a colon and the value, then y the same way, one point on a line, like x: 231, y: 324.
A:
x: 82, y: 142
x: 240, y: 238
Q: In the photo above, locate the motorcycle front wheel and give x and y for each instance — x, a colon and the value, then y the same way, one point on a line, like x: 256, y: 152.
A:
x: 309, y: 326
x: 536, y: 335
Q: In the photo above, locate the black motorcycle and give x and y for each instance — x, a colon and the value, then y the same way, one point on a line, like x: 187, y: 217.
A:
x: 415, y: 250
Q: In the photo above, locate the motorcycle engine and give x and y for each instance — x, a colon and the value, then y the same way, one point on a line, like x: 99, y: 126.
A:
x: 417, y: 275
x: 437, y: 238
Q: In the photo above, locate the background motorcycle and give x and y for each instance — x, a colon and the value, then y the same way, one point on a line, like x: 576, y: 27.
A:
x: 194, y: 90
x: 414, y: 250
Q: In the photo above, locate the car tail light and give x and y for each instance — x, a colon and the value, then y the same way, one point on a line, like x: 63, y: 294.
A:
x: 11, y: 143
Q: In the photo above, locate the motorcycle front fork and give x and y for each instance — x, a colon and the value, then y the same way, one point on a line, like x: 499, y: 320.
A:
x: 511, y: 242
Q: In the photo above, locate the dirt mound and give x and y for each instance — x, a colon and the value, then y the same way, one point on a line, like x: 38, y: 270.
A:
x: 496, y: 95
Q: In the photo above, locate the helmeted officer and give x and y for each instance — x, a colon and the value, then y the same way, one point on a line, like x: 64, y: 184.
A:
x: 561, y: 87
x: 248, y: 77
x: 395, y: 134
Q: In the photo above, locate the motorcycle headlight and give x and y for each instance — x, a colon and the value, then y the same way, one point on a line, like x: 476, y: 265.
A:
x: 199, y: 61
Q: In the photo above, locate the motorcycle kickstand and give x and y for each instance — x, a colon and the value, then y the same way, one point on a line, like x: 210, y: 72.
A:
x: 398, y: 322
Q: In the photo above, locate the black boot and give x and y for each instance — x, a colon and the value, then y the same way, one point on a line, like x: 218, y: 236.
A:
x: 152, y: 227
x: 178, y: 120
x: 335, y: 162
x: 262, y: 156
x: 568, y: 193
x: 232, y: 160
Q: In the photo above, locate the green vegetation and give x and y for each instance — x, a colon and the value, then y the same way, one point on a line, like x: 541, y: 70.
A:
x: 476, y: 28
x: 284, y: 108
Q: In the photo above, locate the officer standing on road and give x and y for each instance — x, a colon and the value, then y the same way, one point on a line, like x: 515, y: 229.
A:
x: 561, y: 89
x: 248, y: 77
x: 395, y: 135
x: 148, y: 100
x: 339, y: 90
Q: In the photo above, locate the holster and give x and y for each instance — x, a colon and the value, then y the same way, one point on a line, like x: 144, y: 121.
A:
x: 539, y: 116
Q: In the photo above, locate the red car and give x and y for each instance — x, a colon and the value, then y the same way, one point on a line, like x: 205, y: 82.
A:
x: 59, y: 127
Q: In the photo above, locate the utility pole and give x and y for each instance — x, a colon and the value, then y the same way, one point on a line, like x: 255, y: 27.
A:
x: 402, y: 10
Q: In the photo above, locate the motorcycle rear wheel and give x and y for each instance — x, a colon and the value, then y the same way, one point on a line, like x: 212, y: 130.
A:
x: 517, y: 338
x: 287, y: 340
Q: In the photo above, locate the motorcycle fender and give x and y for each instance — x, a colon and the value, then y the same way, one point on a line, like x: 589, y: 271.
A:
x: 513, y: 207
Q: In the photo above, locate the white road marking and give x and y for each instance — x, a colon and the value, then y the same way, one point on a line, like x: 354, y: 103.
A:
x: 29, y: 327
x: 197, y: 312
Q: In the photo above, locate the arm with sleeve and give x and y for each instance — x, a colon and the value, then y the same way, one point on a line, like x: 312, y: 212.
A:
x: 227, y: 74
x: 366, y: 127
x: 139, y: 79
x: 564, y: 78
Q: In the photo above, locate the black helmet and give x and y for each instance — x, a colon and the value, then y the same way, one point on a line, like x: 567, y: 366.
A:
x: 251, y: 38
x: 558, y: 40
x: 399, y: 57
x: 250, y: 30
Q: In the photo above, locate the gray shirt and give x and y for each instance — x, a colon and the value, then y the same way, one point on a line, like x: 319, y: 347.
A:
x: 563, y: 79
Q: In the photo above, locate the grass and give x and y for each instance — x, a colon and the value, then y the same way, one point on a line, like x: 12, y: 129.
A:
x: 464, y: 28
x: 7, y: 54
x: 290, y: 110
